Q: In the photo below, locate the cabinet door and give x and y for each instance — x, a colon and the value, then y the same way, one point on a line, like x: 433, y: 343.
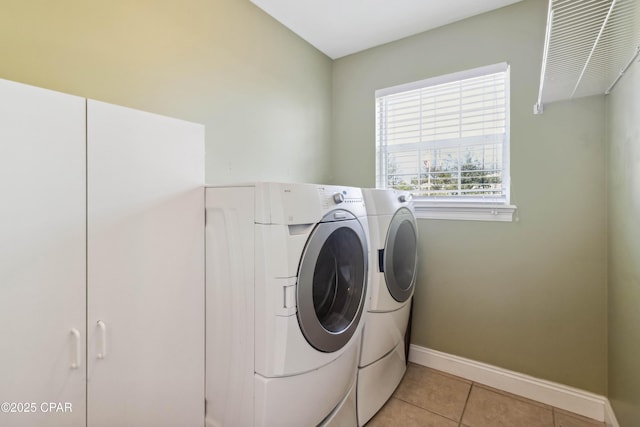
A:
x: 145, y: 269
x: 42, y: 257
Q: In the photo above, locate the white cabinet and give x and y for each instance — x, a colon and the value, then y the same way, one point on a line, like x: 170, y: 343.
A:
x: 102, y: 233
x: 42, y: 254
x: 145, y: 179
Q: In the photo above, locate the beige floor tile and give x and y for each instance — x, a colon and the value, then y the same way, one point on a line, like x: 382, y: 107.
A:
x: 514, y: 396
x: 396, y: 413
x: 430, y: 390
x: 567, y: 419
x: 487, y: 408
x: 446, y: 374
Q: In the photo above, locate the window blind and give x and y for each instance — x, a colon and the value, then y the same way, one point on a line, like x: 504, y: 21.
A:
x: 446, y: 138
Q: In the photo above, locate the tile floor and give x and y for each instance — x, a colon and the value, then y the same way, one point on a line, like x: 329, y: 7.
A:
x: 430, y: 398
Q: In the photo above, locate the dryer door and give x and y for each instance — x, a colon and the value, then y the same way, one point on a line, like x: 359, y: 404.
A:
x: 332, y: 282
x: 401, y: 255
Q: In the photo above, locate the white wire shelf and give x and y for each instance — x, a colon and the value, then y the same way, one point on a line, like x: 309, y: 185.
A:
x: 589, y: 45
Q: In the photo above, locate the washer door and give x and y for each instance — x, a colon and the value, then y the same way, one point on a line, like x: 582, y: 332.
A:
x: 401, y: 255
x: 332, y: 282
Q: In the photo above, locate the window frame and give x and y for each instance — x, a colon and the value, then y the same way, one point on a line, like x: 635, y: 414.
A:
x: 481, y: 209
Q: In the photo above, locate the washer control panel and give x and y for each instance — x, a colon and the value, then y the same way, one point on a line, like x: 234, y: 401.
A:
x: 349, y: 198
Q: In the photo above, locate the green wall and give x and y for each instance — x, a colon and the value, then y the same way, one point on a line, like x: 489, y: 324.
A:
x: 623, y: 108
x: 529, y: 295
x: 262, y: 92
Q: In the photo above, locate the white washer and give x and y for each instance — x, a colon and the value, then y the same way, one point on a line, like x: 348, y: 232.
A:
x: 393, y: 265
x: 287, y: 270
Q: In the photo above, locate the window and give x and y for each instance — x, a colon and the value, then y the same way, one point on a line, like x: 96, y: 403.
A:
x: 446, y: 140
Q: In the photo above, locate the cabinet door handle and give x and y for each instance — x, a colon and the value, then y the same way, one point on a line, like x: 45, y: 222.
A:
x: 75, y: 348
x: 102, y: 339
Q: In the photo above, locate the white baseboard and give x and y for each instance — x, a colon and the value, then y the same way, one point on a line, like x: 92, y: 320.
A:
x: 568, y: 398
x: 609, y: 416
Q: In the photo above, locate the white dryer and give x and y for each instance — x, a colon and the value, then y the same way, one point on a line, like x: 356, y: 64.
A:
x: 287, y: 271
x: 393, y: 265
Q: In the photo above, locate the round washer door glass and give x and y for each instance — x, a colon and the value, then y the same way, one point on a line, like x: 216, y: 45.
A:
x: 332, y: 283
x: 401, y: 255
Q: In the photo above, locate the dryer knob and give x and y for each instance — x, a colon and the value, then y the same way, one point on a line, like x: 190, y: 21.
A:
x: 404, y: 198
x: 338, y: 198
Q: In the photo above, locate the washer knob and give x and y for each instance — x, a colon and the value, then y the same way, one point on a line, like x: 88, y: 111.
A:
x: 404, y: 198
x: 338, y: 198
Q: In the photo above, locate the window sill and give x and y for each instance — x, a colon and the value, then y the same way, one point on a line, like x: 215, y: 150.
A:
x: 465, y: 211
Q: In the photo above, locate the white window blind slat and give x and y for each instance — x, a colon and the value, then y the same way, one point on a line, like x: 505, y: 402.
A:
x: 446, y: 139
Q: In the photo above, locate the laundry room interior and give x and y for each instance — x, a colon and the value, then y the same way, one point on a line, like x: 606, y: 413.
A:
x: 537, y: 306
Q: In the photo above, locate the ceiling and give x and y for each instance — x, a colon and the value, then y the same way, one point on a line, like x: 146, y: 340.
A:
x: 342, y: 27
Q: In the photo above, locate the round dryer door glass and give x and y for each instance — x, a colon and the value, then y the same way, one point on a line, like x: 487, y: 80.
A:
x: 401, y: 255
x: 331, y: 284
